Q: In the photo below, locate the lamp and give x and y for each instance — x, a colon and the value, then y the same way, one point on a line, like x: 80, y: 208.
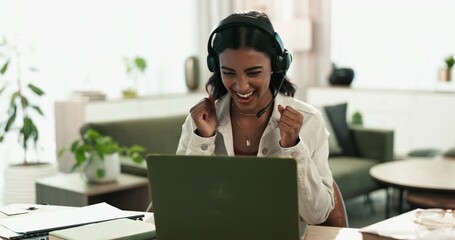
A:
x: 296, y: 34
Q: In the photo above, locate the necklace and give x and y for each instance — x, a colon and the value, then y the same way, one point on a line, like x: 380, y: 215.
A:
x: 248, y: 138
x: 241, y: 113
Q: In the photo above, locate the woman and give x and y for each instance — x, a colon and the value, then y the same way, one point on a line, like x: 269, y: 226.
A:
x: 242, y: 116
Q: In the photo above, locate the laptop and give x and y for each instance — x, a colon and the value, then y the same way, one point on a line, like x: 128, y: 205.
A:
x: 222, y: 197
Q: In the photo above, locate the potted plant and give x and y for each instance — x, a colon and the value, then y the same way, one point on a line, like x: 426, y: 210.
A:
x: 357, y: 119
x: 446, y: 73
x: 19, y: 119
x: 135, y: 67
x: 99, y: 156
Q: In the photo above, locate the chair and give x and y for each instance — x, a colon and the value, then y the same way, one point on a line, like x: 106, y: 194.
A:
x: 338, y: 216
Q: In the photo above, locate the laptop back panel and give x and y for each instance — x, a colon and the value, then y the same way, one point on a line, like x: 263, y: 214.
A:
x: 221, y: 197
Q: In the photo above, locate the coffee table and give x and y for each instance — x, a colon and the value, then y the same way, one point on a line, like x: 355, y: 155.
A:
x: 430, y: 176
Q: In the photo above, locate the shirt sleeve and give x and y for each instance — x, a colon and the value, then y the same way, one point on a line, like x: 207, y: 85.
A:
x: 192, y: 144
x: 315, y: 180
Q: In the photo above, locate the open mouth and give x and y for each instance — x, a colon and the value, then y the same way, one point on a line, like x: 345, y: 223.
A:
x: 245, y: 96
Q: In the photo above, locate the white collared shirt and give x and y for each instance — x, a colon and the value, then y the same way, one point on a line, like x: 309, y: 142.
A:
x: 311, y: 153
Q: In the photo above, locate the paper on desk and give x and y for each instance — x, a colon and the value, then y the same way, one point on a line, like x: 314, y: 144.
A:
x: 60, y: 219
x: 399, y: 227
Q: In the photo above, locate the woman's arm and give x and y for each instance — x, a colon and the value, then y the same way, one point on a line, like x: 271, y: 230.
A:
x: 315, y: 179
x: 192, y: 144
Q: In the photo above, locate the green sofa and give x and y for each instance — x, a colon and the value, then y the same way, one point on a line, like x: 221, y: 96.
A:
x: 161, y: 135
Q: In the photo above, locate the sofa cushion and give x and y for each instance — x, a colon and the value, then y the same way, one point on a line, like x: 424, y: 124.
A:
x: 334, y: 146
x: 337, y: 117
x: 352, y: 175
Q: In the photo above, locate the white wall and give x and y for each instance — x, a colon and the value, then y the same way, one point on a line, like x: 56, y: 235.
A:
x: 393, y: 44
x: 80, y: 45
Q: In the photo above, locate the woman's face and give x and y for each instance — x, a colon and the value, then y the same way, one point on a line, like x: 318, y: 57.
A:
x: 246, y: 74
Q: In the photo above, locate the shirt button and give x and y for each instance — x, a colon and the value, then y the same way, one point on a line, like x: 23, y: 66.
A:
x: 204, y: 146
x: 294, y: 154
x: 265, y: 151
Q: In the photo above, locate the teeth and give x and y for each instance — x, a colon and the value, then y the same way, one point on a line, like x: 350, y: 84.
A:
x: 245, y: 95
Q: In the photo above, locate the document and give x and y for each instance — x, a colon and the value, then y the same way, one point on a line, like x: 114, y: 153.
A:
x: 48, y: 221
x: 399, y: 227
x: 113, y: 229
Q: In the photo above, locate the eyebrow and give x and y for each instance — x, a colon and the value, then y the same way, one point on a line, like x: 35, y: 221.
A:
x: 246, y: 70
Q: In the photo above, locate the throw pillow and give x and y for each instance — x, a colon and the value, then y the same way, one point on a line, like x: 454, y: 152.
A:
x: 334, y: 147
x: 337, y: 118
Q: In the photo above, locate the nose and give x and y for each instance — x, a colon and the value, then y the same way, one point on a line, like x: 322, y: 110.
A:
x: 242, y: 83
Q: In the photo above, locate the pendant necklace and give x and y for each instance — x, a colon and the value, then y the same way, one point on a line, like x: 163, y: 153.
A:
x: 248, y: 138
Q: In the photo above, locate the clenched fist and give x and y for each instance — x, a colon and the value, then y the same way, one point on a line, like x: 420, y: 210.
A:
x: 290, y: 123
x: 204, y: 115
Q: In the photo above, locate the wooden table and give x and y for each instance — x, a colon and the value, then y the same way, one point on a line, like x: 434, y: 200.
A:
x: 431, y: 177
x: 128, y: 192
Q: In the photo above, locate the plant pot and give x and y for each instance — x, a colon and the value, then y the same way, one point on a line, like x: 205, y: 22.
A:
x: 111, y: 166
x: 20, y: 181
x: 129, y: 93
x: 445, y: 75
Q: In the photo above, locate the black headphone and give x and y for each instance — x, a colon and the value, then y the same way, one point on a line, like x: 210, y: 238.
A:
x: 280, y: 62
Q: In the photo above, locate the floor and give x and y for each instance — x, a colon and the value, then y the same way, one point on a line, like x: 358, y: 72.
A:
x: 361, y: 214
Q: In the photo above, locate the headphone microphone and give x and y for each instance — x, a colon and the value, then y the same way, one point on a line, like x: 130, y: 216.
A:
x: 262, y: 111
x: 280, y: 61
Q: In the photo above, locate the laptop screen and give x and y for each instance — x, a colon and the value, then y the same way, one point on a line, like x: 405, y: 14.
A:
x: 222, y: 197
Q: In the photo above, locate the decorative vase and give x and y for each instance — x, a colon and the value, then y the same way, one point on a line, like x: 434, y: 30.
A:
x: 20, y: 181
x: 110, y: 165
x: 192, y: 73
x: 445, y: 74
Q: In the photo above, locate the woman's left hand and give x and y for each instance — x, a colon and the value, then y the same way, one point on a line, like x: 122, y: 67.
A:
x: 290, y: 123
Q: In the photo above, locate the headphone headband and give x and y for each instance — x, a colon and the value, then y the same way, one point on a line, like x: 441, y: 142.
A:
x: 246, y: 21
x: 283, y: 60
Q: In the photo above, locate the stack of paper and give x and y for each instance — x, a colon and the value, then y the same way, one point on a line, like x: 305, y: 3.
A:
x: 114, y: 229
x: 44, y: 222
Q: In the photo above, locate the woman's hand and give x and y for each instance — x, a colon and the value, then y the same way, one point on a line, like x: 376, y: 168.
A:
x: 290, y: 123
x: 204, y: 115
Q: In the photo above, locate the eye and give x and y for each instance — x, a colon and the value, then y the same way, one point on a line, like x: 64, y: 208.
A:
x: 228, y: 73
x: 253, y: 74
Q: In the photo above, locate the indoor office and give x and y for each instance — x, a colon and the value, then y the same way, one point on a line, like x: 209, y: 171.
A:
x: 127, y: 73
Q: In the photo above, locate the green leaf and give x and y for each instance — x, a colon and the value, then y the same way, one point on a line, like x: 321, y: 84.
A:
x: 80, y: 157
x: 137, y: 148
x: 74, y: 146
x: 100, y: 173
x: 61, y: 152
x: 2, y: 138
x: 38, y: 109
x: 24, y: 102
x: 2, y: 89
x: 137, y: 158
x: 4, y: 68
x: 140, y: 63
x: 34, y: 133
x: 11, y: 120
x: 27, y: 128
x: 36, y: 89
x: 13, y: 98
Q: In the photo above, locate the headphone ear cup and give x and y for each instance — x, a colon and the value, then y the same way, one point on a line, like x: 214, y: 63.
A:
x: 278, y: 64
x: 212, y: 63
x: 287, y: 60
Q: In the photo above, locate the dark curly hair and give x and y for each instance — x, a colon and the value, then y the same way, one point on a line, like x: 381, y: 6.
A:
x: 247, y: 37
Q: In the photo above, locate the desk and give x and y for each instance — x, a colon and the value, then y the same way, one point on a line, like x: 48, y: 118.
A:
x: 335, y: 233
x: 128, y: 192
x: 312, y: 233
x: 419, y: 175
